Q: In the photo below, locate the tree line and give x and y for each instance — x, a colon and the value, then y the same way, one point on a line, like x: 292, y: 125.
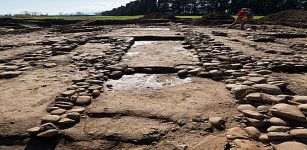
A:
x: 201, y: 7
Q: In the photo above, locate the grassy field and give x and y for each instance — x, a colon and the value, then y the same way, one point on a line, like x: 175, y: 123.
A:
x: 198, y: 17
x: 104, y: 17
x: 258, y: 17
x: 189, y: 17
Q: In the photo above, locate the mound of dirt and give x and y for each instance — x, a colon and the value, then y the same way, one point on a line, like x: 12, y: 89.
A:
x: 295, y: 18
x: 215, y: 19
x: 159, y: 16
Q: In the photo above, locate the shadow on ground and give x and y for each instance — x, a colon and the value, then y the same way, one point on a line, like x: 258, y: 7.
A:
x: 42, y: 144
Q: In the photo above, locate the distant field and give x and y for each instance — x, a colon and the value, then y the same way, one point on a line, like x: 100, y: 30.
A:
x: 189, y: 17
x: 81, y: 17
x: 198, y: 17
x: 104, y: 17
x: 258, y: 17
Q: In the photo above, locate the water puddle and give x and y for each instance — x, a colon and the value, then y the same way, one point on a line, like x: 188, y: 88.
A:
x: 143, y: 82
x: 141, y: 43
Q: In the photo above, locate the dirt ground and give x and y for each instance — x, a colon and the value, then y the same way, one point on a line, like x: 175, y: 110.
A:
x: 138, y: 111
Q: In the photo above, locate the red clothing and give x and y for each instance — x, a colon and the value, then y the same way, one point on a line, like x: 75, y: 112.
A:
x: 241, y: 14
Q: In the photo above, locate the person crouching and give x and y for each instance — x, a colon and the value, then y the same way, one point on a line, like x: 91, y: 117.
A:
x: 241, y: 18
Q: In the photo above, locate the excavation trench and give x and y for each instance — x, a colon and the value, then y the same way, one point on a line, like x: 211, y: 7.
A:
x: 158, y: 55
x: 149, y: 107
x: 155, y: 63
x: 146, y: 107
x: 154, y: 99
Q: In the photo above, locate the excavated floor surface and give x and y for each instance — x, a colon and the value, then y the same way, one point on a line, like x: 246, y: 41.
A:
x: 159, y: 54
x: 139, y: 111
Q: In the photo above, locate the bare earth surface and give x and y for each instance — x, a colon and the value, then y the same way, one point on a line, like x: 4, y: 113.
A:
x: 15, y: 52
x: 132, y: 110
x: 24, y: 100
x: 182, y: 101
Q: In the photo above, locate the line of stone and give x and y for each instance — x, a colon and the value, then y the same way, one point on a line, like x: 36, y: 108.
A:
x: 249, y: 79
x: 68, y: 107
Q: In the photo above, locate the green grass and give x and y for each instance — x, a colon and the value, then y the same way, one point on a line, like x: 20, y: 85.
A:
x: 198, y: 17
x: 189, y: 17
x: 258, y: 17
x: 81, y: 17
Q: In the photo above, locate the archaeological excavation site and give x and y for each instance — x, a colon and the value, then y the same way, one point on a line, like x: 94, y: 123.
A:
x: 169, y: 84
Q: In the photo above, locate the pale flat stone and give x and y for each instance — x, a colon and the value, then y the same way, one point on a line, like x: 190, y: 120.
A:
x: 267, y: 88
x: 51, y: 118
x: 290, y: 146
x: 34, y: 130
x: 300, y: 99
x: 278, y: 129
x: 245, y: 107
x: 288, y: 112
x: 69, y: 93
x: 299, y: 133
x: 278, y: 122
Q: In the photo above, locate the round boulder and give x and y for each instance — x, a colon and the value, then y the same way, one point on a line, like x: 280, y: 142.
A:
x: 51, y: 118
x: 253, y: 132
x: 216, y: 121
x: 83, y: 100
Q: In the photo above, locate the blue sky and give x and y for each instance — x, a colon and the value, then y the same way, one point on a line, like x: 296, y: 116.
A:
x: 53, y: 7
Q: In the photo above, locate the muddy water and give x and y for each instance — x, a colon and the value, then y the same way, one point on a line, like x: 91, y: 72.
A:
x: 144, y: 82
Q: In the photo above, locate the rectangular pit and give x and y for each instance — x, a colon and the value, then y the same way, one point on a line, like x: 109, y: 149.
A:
x: 163, y: 54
